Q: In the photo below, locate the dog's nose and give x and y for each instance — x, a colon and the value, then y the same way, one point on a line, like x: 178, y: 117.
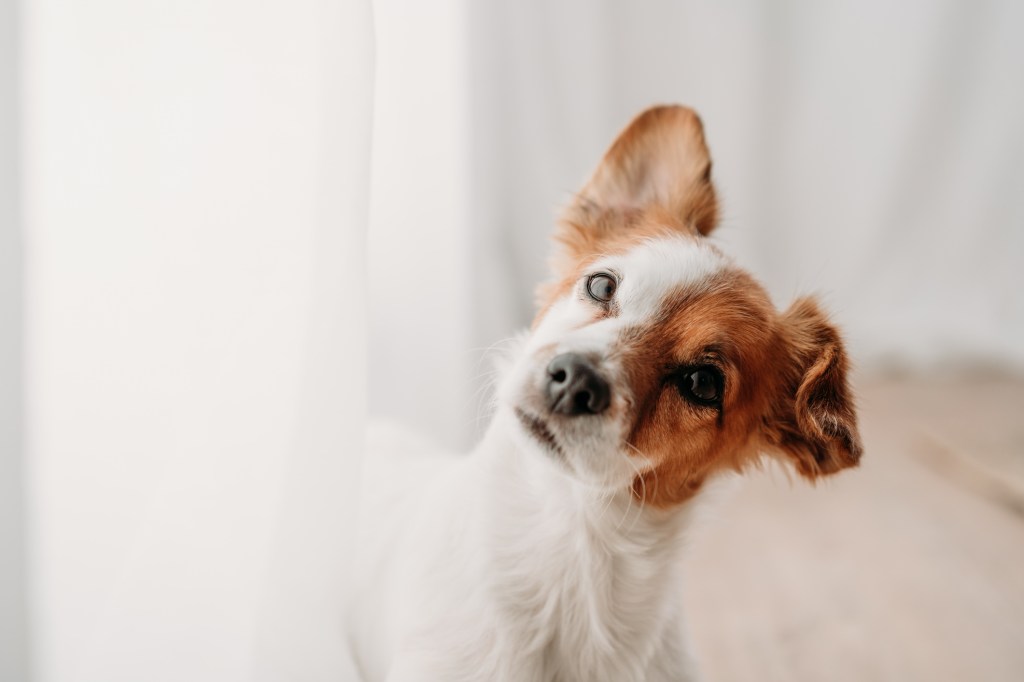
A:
x: 575, y: 387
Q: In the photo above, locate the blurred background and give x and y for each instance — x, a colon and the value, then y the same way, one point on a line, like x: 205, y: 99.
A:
x: 233, y: 230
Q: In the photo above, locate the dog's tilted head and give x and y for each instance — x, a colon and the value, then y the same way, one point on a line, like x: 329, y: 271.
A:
x: 655, y: 362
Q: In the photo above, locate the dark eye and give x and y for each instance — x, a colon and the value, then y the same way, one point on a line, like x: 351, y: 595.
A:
x: 701, y: 385
x: 601, y: 287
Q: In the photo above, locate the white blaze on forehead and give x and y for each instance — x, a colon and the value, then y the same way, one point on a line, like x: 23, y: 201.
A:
x: 658, y: 267
x: 647, y: 273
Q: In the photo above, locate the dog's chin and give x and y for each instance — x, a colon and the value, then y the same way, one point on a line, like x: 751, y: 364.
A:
x: 539, y: 430
x: 585, y: 455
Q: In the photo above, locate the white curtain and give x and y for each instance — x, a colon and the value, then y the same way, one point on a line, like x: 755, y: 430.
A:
x: 196, y: 179
x: 871, y: 151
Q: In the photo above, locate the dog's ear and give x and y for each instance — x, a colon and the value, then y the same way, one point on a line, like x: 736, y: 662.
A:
x: 659, y: 163
x: 815, y: 423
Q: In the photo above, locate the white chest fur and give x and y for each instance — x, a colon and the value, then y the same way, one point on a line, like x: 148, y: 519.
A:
x: 500, y: 567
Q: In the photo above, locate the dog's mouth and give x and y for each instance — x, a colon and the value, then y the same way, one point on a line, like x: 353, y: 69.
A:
x: 538, y: 428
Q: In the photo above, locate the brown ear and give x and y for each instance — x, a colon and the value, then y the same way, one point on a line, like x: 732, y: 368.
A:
x: 658, y: 164
x: 817, y: 424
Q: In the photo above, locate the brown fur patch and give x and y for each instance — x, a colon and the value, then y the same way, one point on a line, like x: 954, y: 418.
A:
x: 785, y: 389
x: 728, y: 323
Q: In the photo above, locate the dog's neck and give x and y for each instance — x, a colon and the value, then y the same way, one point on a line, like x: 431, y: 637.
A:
x: 587, y: 574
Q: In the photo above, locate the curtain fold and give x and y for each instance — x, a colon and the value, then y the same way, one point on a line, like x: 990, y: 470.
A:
x: 196, y: 203
x: 301, y: 632
x: 14, y: 660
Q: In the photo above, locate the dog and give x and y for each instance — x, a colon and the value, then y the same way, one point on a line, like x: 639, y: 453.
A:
x: 654, y: 366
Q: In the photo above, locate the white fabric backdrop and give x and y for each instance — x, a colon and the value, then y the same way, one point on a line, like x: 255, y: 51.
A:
x: 871, y: 151
x: 197, y: 183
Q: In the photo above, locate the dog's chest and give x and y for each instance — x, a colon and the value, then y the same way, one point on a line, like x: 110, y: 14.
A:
x: 589, y: 602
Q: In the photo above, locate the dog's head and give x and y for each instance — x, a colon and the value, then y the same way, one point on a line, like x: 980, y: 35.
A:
x: 654, y: 361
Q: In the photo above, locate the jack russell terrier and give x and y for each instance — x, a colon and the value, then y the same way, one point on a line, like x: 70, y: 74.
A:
x: 654, y: 365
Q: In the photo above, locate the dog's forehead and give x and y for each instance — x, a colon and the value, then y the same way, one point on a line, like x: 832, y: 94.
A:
x: 657, y: 268
x: 653, y: 273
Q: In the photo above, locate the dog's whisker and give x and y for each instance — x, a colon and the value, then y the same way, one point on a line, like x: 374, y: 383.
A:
x: 641, y: 475
x: 608, y: 496
x: 629, y: 497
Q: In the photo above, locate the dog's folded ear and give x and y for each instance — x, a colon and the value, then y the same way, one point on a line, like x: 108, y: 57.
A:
x: 659, y: 163
x: 815, y: 425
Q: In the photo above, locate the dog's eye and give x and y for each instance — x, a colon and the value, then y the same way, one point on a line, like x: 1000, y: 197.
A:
x: 701, y: 385
x: 601, y: 287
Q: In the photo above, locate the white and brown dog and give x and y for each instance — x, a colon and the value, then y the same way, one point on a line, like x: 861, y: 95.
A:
x: 654, y: 364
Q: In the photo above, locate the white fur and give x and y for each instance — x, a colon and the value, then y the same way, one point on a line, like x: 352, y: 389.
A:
x: 518, y: 564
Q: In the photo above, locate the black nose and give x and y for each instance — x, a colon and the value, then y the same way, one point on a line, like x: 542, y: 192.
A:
x: 575, y: 387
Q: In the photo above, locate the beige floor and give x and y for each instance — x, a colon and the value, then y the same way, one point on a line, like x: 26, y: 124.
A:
x: 909, y: 568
